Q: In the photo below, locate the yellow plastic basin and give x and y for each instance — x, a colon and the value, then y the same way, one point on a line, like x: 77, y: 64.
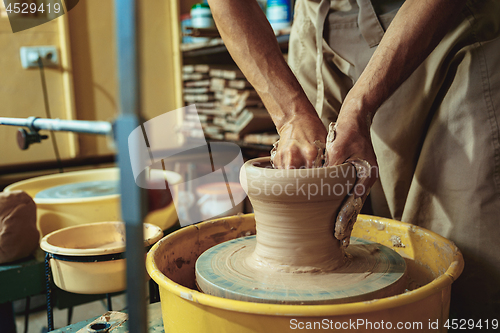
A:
x: 433, y: 263
x: 54, y: 214
x: 83, y: 260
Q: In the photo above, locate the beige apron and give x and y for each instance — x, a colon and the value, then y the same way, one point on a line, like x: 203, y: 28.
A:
x: 436, y: 139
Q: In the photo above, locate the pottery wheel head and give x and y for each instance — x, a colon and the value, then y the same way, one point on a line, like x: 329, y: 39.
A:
x: 373, y: 271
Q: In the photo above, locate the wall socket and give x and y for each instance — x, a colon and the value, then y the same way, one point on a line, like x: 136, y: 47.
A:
x: 30, y: 55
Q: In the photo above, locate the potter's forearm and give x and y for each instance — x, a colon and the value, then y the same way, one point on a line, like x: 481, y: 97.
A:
x: 252, y: 44
x: 415, y: 31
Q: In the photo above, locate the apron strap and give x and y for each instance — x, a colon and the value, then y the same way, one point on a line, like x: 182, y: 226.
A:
x: 323, y: 9
x: 370, y: 28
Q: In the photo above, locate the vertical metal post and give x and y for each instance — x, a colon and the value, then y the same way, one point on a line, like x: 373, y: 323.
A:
x: 133, y: 198
x: 50, y: 318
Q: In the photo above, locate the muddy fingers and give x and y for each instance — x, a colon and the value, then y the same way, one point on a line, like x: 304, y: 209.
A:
x: 354, y: 201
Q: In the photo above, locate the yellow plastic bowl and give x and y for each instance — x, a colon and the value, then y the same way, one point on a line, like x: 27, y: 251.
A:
x: 433, y: 263
x: 54, y: 214
x: 77, y: 267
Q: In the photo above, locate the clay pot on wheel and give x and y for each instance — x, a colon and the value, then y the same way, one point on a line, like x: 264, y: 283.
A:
x: 295, y: 212
x: 294, y: 257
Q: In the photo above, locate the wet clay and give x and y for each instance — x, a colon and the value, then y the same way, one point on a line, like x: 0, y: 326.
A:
x: 295, y: 212
x: 294, y: 257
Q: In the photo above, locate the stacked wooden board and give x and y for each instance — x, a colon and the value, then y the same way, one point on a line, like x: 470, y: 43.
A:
x: 227, y: 106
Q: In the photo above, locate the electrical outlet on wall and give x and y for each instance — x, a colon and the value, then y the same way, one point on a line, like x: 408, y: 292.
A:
x: 30, y: 55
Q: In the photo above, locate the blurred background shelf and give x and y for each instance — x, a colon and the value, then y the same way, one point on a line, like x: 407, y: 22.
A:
x: 215, y: 52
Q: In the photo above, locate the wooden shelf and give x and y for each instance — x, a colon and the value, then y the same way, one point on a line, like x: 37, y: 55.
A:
x: 216, y: 52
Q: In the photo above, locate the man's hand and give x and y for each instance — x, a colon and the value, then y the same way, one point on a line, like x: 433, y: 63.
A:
x: 349, y: 141
x: 297, y: 146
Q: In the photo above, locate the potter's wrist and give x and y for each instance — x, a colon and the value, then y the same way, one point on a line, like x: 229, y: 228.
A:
x: 359, y: 122
x: 295, y: 113
x: 356, y: 114
x: 360, y: 105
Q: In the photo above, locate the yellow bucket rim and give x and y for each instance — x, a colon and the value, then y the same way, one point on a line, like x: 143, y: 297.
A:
x: 174, y: 179
x: 152, y: 234
x: 435, y: 286
x: 18, y: 186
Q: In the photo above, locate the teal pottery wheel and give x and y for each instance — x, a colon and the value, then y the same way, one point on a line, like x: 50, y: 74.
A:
x: 371, y: 271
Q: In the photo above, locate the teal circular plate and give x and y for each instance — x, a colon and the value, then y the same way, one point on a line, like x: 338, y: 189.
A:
x: 372, y: 271
x: 80, y: 190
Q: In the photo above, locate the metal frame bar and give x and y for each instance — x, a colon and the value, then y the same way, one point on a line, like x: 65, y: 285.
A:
x: 79, y: 126
x: 133, y: 197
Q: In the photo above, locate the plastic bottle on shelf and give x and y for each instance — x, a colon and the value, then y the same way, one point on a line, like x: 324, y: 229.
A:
x: 278, y: 13
x: 201, y: 17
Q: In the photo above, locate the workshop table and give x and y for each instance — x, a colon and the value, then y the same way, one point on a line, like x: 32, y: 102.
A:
x: 21, y: 279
